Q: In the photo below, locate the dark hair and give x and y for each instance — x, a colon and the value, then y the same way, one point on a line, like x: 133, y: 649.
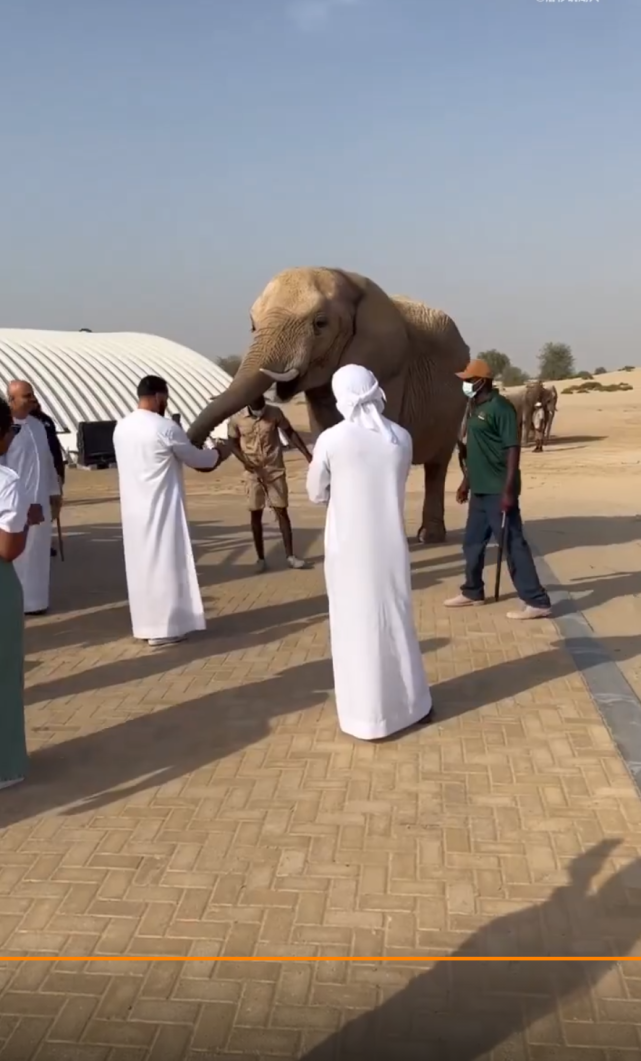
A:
x: 150, y: 386
x: 6, y: 418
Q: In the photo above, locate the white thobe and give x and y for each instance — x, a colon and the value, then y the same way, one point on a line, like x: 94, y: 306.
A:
x: 30, y: 457
x: 379, y: 679
x: 162, y: 585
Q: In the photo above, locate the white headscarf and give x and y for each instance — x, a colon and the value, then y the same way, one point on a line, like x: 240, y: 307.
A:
x: 360, y: 400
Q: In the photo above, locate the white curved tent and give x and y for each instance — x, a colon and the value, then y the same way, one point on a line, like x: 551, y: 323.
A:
x: 93, y: 375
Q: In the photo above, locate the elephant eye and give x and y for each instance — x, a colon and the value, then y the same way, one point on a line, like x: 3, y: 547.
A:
x: 320, y: 322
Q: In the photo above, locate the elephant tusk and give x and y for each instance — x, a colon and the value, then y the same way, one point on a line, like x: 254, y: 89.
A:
x: 281, y: 377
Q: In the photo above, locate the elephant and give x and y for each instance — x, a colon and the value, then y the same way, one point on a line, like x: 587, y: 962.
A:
x: 308, y: 322
x: 524, y: 402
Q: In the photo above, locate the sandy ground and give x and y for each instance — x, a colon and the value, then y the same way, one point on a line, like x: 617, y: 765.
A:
x: 582, y: 500
x: 582, y: 503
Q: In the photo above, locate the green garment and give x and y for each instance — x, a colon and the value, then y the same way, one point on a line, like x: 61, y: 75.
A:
x: 492, y: 429
x: 13, y: 745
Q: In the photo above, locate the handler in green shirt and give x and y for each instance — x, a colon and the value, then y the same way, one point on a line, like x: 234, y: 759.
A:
x: 492, y: 486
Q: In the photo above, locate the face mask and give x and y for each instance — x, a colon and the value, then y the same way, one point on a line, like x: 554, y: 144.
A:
x: 257, y: 413
x: 469, y: 389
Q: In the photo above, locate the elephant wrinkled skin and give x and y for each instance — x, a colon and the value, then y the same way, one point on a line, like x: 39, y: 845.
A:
x: 308, y: 322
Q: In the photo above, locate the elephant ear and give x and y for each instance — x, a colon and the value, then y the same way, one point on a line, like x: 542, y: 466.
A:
x: 380, y: 339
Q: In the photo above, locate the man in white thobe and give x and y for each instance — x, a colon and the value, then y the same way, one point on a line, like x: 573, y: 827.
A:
x: 164, y: 596
x: 30, y: 457
x: 360, y: 469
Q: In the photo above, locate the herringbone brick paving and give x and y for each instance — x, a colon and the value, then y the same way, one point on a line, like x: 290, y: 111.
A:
x: 201, y: 801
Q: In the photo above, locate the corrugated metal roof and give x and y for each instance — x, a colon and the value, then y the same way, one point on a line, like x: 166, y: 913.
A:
x: 94, y: 375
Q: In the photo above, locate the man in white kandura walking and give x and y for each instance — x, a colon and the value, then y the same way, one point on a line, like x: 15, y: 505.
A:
x: 164, y: 596
x: 30, y: 458
x: 360, y: 468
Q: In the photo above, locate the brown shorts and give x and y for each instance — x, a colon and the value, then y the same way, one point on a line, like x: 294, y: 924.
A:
x: 276, y: 487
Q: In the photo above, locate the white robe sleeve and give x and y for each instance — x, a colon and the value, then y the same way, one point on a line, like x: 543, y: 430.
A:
x: 319, y: 475
x: 14, y: 504
x: 183, y: 450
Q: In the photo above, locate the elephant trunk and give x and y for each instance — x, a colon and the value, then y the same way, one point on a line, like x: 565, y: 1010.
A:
x: 263, y: 365
x: 245, y: 387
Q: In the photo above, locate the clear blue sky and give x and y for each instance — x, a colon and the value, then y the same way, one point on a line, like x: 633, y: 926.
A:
x: 161, y: 159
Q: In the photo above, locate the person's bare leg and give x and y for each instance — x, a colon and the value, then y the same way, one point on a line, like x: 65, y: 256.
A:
x: 285, y: 525
x: 257, y: 534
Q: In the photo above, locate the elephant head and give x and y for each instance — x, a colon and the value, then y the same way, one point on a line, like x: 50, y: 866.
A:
x: 305, y: 325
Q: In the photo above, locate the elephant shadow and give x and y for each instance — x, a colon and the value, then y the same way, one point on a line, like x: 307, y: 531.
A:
x: 464, y: 1010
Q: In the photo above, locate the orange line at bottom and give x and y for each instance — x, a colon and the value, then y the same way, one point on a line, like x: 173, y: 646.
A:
x: 338, y: 958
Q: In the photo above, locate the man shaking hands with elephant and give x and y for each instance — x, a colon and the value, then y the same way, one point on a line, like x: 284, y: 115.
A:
x: 492, y: 486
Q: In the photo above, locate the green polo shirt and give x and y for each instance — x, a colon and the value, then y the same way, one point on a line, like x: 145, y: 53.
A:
x: 492, y: 429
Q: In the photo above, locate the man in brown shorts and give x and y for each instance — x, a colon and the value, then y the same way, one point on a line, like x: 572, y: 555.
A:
x: 254, y: 437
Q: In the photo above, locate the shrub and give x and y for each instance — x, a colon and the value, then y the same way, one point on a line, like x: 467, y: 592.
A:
x: 556, y: 362
x: 513, y: 376
x: 628, y: 368
x: 600, y: 371
x: 594, y: 385
x: 497, y: 362
x: 583, y: 375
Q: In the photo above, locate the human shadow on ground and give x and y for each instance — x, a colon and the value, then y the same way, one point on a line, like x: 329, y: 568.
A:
x: 225, y: 633
x: 583, y: 594
x: 163, y: 745
x: 160, y: 746
x: 560, y: 532
x: 572, y: 532
x: 93, y: 572
x: 573, y: 440
x: 462, y: 1011
x: 81, y: 502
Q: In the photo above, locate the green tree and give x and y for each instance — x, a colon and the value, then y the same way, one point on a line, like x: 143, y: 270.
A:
x: 230, y: 364
x: 497, y: 361
x: 513, y: 376
x: 556, y: 361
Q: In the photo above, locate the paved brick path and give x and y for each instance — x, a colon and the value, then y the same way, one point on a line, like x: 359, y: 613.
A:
x: 200, y: 800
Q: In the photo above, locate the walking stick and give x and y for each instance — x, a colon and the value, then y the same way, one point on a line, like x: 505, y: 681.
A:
x: 61, y: 548
x: 499, y: 558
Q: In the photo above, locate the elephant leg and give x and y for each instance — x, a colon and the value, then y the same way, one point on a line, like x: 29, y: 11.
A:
x: 432, y: 531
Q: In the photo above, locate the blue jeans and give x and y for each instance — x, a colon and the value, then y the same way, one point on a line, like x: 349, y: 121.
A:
x: 484, y: 521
